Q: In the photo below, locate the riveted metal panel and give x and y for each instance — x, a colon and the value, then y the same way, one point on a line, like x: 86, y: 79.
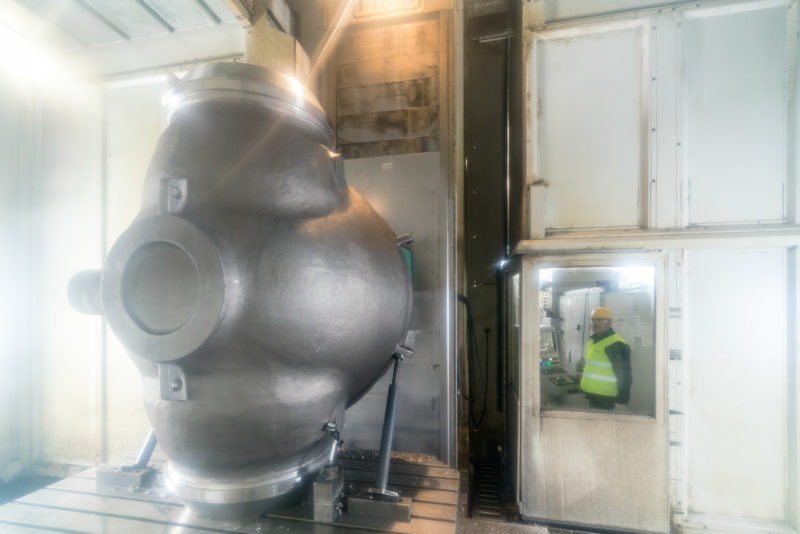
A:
x: 67, y: 345
x: 410, y: 193
x: 557, y: 10
x: 590, y: 124
x: 734, y: 101
x: 75, y: 20
x: 736, y: 400
x: 133, y: 120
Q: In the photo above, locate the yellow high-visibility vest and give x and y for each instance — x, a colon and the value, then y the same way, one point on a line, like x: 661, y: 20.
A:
x: 598, y: 374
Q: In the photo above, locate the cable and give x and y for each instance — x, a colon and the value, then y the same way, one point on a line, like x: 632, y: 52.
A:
x: 475, y: 363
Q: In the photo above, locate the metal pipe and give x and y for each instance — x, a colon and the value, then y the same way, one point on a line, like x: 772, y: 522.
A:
x: 147, y: 450
x: 387, y: 435
x: 507, y: 158
x: 334, y: 432
x: 332, y: 455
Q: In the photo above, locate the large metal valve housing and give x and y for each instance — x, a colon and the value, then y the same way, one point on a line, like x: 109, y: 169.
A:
x: 257, y: 293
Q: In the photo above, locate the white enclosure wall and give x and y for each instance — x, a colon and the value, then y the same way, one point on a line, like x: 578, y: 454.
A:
x: 17, y: 118
x: 666, y: 119
x: 73, y: 396
x: 410, y: 193
x: 674, y: 129
x: 598, y: 106
x: 133, y: 122
x: 734, y: 105
x: 736, y: 392
x: 67, y: 235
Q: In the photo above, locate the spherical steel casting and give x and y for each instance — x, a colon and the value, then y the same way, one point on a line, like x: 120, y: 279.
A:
x: 257, y: 293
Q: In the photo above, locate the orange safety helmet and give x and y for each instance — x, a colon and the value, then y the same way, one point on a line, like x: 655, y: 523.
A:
x: 602, y: 313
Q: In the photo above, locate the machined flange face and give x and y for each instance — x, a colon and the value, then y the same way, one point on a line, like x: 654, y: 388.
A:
x: 248, y: 83
x: 163, y: 288
x: 236, y: 497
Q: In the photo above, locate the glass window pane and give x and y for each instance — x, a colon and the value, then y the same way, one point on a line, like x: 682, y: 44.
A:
x: 597, y: 339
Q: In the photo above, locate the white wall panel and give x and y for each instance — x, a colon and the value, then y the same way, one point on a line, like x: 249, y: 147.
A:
x: 735, y: 352
x: 14, y: 283
x: 590, y: 118
x: 735, y: 114
x: 665, y: 197
x: 409, y: 191
x: 134, y: 121
x: 67, y: 240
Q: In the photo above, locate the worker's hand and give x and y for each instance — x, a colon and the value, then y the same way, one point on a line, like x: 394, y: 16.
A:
x: 623, y: 397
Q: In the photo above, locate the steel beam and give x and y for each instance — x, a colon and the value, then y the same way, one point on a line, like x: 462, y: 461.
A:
x: 99, y: 16
x: 155, y: 14
x: 210, y: 12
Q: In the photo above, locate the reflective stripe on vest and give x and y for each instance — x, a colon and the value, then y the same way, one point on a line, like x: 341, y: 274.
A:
x: 598, y: 373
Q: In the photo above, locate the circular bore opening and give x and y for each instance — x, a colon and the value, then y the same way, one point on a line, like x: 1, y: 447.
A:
x: 160, y: 288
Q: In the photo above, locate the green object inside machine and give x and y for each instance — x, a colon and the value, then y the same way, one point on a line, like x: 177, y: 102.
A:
x: 409, y: 261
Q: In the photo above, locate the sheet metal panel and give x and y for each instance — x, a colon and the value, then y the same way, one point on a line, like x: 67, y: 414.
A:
x: 133, y: 122
x: 590, y: 119
x: 73, y: 19
x: 179, y: 49
x: 410, y: 192
x: 182, y: 13
x: 15, y: 149
x: 128, y: 16
x: 736, y: 400
x: 555, y: 10
x: 665, y: 187
x: 65, y: 345
x: 734, y: 95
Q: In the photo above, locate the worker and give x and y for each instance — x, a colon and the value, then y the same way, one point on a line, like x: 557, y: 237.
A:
x: 607, y: 376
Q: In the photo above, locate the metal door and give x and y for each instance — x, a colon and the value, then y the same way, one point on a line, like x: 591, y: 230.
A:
x: 582, y: 465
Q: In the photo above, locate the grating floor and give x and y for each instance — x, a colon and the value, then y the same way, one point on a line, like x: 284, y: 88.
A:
x: 487, y: 502
x: 493, y: 509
